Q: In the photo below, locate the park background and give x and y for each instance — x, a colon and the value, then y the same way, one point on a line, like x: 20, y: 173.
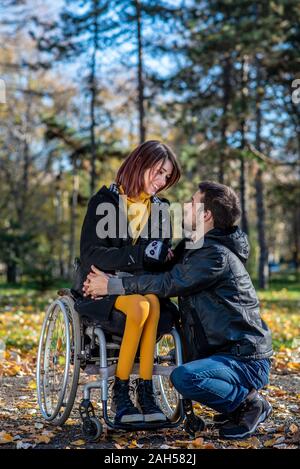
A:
x: 81, y: 84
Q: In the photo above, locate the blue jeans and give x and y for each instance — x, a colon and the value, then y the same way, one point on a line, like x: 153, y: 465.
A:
x: 221, y: 382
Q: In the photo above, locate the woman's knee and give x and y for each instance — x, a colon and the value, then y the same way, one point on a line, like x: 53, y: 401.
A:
x: 139, y: 310
x: 154, y: 305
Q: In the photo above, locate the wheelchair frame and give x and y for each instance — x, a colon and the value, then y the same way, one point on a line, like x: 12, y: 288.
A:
x: 78, y: 356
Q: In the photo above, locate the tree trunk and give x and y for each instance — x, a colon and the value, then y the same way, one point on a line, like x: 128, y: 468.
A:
x: 243, y: 167
x: 93, y: 90
x: 296, y: 230
x: 224, y: 124
x: 297, y: 217
x: 295, y: 113
x: 11, y: 273
x: 141, y: 98
x: 73, y: 218
x: 59, y: 219
x: 263, y: 269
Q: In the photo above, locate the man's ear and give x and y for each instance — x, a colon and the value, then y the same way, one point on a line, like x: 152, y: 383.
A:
x: 208, y: 216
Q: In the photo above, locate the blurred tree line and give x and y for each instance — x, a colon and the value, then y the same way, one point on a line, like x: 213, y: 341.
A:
x: 87, y: 80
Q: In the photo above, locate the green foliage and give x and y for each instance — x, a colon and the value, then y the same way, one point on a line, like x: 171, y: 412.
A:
x: 201, y: 87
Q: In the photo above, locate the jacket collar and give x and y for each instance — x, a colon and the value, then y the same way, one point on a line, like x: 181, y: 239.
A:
x: 114, y: 188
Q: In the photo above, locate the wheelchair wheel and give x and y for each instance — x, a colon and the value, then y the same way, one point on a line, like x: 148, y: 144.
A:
x: 58, y: 361
x: 167, y: 396
x: 92, y: 429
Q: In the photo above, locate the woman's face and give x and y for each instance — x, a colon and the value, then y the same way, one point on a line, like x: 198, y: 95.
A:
x: 156, y: 178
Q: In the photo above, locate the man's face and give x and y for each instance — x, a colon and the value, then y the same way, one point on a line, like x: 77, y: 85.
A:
x: 190, y: 213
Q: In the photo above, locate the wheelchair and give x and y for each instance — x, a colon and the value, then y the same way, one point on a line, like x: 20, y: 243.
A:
x: 70, y: 345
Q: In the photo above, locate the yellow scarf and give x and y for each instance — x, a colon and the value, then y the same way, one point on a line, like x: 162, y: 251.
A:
x: 138, y: 218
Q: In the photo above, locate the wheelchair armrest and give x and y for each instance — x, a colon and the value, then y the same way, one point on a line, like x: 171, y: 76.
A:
x: 65, y: 292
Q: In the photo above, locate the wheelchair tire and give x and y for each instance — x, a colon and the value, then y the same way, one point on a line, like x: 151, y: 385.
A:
x: 168, y: 353
x: 58, y: 361
x: 92, y: 429
x: 193, y: 425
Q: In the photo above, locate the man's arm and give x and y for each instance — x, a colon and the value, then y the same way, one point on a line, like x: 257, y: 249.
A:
x: 202, y: 270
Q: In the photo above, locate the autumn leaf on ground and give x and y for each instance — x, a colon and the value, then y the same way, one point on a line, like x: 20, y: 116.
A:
x: 42, y: 439
x: 197, y: 443
x: 78, y: 442
x: 5, y: 438
x: 293, y: 428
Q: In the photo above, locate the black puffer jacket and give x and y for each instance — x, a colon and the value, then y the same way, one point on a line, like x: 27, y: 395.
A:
x: 112, y: 254
x: 218, y: 303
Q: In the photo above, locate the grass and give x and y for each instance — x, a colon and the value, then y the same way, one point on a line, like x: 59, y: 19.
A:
x: 280, y: 308
x: 22, y: 309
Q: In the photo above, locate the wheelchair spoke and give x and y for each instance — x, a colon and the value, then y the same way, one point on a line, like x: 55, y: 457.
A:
x: 167, y: 395
x: 58, y: 364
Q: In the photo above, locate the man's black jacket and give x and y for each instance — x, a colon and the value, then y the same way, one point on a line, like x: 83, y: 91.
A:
x: 218, y: 303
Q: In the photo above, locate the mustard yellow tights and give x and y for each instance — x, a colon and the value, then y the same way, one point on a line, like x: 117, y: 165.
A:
x: 142, y: 316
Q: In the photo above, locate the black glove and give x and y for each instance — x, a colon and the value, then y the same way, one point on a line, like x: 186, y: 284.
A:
x: 156, y: 253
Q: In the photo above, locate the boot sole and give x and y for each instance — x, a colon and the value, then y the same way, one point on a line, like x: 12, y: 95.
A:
x: 241, y: 436
x: 128, y: 418
x: 157, y: 417
x: 132, y: 418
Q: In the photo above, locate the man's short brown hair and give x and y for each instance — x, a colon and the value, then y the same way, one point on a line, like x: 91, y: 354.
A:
x: 223, y: 203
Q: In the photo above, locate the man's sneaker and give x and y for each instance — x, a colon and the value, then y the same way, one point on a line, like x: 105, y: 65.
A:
x: 146, y: 401
x: 122, y: 407
x: 253, y: 411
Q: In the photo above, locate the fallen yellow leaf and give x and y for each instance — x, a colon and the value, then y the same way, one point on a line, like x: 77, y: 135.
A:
x: 182, y: 443
x: 209, y: 446
x: 78, y: 442
x: 59, y: 343
x: 293, y: 428
x: 133, y: 444
x: 5, y: 438
x: 32, y: 385
x: 42, y: 439
x: 242, y: 444
x: 270, y: 442
x: 198, y: 442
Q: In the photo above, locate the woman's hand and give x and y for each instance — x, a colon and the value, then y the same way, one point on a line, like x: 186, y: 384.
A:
x: 96, y: 284
x: 157, y: 253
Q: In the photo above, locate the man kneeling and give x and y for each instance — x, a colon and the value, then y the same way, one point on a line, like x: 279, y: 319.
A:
x: 227, y: 344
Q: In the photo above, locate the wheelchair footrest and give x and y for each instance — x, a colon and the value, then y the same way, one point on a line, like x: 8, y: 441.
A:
x: 109, y: 371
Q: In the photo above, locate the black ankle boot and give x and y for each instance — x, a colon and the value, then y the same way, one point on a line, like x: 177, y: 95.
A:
x: 122, y: 407
x: 146, y: 401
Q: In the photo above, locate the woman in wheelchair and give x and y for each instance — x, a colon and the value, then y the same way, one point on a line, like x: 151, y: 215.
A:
x: 149, y: 169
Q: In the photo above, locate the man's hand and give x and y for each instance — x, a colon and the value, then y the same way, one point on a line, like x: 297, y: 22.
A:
x: 170, y: 254
x: 95, y: 284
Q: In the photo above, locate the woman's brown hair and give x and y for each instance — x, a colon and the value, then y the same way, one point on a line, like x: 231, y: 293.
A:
x: 145, y: 156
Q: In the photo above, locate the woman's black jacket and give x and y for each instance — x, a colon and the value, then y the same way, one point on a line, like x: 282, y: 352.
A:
x: 113, y: 253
